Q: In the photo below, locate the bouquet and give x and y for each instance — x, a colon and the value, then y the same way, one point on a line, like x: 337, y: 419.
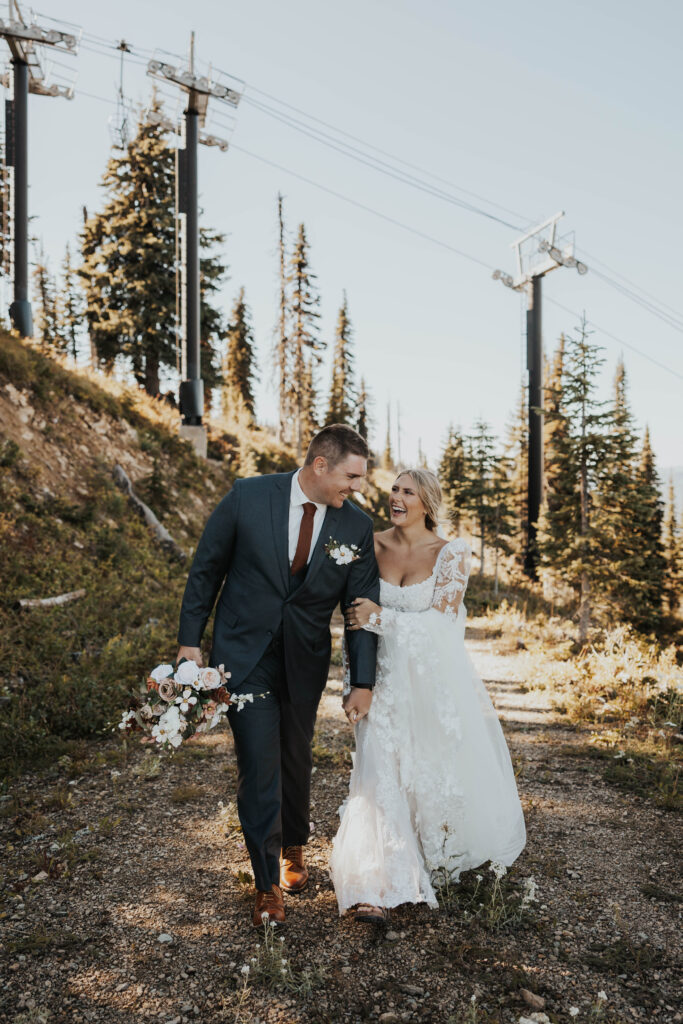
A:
x: 175, y: 703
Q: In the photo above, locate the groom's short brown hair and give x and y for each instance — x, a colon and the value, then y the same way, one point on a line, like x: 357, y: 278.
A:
x: 335, y: 442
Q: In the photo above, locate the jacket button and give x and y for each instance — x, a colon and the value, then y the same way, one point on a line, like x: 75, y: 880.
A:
x: 269, y: 632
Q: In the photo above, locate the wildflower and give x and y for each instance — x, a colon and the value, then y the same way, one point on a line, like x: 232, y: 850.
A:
x: 602, y: 994
x: 480, y: 878
x: 264, y: 916
x: 245, y: 969
x: 498, y: 869
x: 128, y: 717
x: 573, y: 1011
x: 473, y: 997
x: 186, y: 700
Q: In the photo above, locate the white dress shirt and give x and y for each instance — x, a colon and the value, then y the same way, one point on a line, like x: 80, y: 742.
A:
x: 297, y: 499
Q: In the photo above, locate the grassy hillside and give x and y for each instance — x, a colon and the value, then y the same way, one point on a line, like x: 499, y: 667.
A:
x: 65, y: 526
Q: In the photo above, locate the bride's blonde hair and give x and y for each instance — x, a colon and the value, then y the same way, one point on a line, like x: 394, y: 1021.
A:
x: 428, y: 491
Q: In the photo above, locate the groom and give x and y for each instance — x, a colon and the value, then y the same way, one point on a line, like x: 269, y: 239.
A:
x: 271, y: 544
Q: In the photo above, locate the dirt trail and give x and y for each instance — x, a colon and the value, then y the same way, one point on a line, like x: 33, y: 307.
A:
x: 132, y: 856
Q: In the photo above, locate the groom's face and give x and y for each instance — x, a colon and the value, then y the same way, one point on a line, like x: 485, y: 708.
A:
x: 335, y: 483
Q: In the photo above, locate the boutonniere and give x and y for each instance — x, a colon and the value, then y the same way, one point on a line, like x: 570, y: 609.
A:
x: 342, y: 554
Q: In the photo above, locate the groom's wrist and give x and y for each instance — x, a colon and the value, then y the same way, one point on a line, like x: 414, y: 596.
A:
x: 361, y: 686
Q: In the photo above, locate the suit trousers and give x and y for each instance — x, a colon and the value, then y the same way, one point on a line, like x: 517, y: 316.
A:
x: 273, y: 746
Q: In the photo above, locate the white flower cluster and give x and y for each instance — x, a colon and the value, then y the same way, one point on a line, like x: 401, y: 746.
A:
x: 342, y: 554
x: 530, y: 890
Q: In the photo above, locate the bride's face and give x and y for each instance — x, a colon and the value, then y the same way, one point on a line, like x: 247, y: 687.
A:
x: 405, y: 506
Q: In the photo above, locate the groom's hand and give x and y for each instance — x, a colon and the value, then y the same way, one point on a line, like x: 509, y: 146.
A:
x: 191, y: 654
x: 357, y: 704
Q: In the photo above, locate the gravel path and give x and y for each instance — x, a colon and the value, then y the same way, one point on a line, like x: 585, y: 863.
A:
x: 102, y: 857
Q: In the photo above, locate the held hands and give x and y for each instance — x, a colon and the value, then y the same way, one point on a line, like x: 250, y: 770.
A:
x: 359, y: 611
x: 357, y: 703
x: 191, y: 654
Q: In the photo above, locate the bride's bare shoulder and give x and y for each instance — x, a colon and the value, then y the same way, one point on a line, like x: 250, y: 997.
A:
x: 383, y: 539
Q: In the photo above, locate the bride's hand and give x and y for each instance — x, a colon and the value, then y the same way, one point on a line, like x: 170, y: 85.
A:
x: 359, y: 611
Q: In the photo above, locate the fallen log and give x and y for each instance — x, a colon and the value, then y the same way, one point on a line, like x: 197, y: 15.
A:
x: 49, y: 602
x: 122, y: 480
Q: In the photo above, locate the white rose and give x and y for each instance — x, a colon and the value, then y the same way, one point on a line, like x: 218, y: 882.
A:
x: 187, y: 674
x: 161, y: 672
x: 209, y: 679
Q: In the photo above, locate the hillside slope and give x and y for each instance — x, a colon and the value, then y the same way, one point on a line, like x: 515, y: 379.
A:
x: 65, y: 526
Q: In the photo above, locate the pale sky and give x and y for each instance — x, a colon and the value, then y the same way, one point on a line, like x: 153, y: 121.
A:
x: 533, y: 106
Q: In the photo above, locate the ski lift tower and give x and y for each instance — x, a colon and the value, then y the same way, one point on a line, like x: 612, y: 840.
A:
x: 26, y: 40
x: 200, y: 89
x: 537, y: 253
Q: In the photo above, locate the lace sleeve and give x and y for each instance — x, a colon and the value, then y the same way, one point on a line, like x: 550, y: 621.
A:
x: 451, y: 579
x: 380, y: 623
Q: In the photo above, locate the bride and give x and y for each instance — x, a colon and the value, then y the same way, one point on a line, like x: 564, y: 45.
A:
x: 432, y: 787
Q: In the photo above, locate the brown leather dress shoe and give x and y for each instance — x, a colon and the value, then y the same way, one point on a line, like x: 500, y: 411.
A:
x: 270, y: 904
x: 293, y: 871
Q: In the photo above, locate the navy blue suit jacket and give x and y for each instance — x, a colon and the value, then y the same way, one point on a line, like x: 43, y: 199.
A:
x: 243, y: 553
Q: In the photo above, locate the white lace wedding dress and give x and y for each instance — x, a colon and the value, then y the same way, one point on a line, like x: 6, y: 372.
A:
x: 432, y: 784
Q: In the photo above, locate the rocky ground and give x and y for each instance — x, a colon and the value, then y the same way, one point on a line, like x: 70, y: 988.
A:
x: 126, y: 896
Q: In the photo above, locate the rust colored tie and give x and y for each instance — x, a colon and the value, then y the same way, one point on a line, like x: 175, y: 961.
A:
x: 303, y: 545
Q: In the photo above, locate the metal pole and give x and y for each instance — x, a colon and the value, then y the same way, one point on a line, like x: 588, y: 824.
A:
x: 192, y: 389
x: 534, y: 355
x: 20, y: 310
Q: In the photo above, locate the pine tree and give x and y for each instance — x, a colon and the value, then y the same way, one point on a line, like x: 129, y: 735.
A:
x: 453, y: 475
x: 129, y: 260
x: 342, y: 400
x: 479, y: 490
x: 387, y: 454
x: 129, y: 266
x: 672, y: 552
x: 646, y: 525
x: 5, y: 230
x: 238, y: 367
x: 308, y: 418
x: 213, y: 330
x: 503, y: 517
x: 283, y: 353
x: 517, y: 456
x: 615, y: 496
x: 305, y: 341
x: 568, y: 544
x: 363, y: 411
x: 560, y: 511
x: 421, y: 457
x: 46, y: 314
x: 69, y: 307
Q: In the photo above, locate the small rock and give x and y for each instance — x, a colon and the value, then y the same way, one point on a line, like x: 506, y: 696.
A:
x: 389, y: 1018
x: 346, y: 970
x: 40, y: 877
x: 392, y: 937
x: 532, y: 1000
x: 164, y: 937
x: 412, y: 990
x: 123, y: 986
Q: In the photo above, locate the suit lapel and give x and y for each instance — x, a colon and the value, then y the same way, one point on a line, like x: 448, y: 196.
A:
x: 326, y: 531
x: 279, y: 509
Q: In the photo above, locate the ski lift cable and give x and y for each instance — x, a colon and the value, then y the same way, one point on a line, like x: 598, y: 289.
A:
x: 444, y: 245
